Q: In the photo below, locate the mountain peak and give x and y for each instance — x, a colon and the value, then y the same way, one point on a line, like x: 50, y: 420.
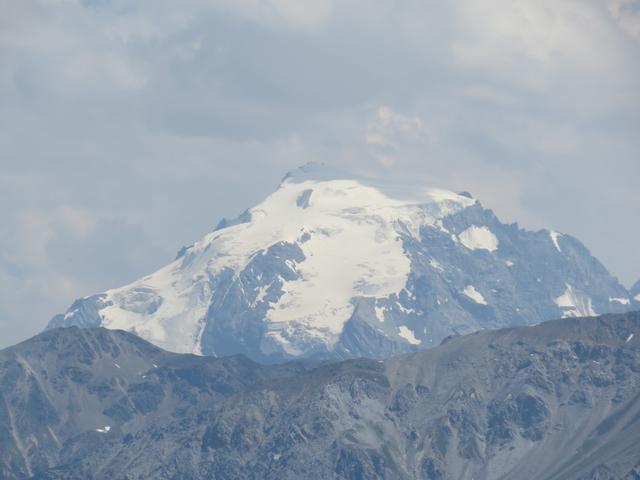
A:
x: 335, y: 265
x: 404, y: 191
x: 316, y: 171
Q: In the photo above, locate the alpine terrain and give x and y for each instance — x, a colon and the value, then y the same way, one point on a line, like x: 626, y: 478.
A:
x: 556, y: 401
x: 335, y: 266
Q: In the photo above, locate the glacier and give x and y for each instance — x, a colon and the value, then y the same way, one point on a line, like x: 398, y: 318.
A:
x: 332, y: 265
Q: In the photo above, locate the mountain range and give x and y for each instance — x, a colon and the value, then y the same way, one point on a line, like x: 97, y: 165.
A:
x: 335, y: 266
x: 555, y: 401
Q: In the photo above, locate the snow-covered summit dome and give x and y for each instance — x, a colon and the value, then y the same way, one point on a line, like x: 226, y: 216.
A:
x: 332, y: 264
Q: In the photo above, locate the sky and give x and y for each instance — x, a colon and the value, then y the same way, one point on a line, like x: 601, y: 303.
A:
x: 129, y: 128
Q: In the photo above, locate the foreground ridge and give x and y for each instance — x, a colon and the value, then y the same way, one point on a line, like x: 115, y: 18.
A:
x: 559, y: 400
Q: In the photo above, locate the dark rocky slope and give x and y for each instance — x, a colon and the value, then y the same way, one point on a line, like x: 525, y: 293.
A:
x: 559, y: 400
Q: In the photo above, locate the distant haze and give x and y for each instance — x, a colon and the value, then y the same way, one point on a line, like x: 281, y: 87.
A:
x: 129, y: 129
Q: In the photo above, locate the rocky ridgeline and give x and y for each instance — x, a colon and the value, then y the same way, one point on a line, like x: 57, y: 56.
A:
x: 554, y: 401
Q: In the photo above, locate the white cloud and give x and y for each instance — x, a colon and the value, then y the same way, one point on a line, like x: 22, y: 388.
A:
x: 78, y: 220
x: 627, y: 14
x: 307, y: 17
x: 531, y: 42
x: 389, y: 134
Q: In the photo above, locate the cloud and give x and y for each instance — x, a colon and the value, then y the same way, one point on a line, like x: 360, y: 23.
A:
x: 49, y: 257
x: 390, y: 134
x: 308, y: 17
x: 627, y: 14
x: 129, y: 129
x: 501, y: 34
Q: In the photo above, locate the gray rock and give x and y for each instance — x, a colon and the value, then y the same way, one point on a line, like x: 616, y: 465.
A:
x: 559, y: 400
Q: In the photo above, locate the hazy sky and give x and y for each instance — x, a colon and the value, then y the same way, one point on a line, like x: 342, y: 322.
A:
x: 128, y: 128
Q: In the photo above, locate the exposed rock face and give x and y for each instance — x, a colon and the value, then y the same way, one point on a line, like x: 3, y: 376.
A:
x: 560, y: 400
x: 332, y: 266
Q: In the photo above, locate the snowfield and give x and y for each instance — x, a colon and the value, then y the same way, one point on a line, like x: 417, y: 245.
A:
x: 336, y: 223
x: 333, y: 264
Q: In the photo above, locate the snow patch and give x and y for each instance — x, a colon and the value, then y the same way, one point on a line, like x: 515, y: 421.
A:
x: 554, y: 238
x: 435, y: 264
x: 403, y: 309
x: 629, y: 338
x: 479, y: 238
x: 380, y: 313
x: 262, y: 291
x: 623, y: 301
x: 471, y: 292
x: 177, y: 323
x: 408, y: 335
x: 574, y: 303
x: 509, y: 263
x: 104, y: 429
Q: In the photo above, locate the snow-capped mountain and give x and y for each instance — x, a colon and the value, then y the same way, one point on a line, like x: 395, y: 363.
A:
x: 331, y: 265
